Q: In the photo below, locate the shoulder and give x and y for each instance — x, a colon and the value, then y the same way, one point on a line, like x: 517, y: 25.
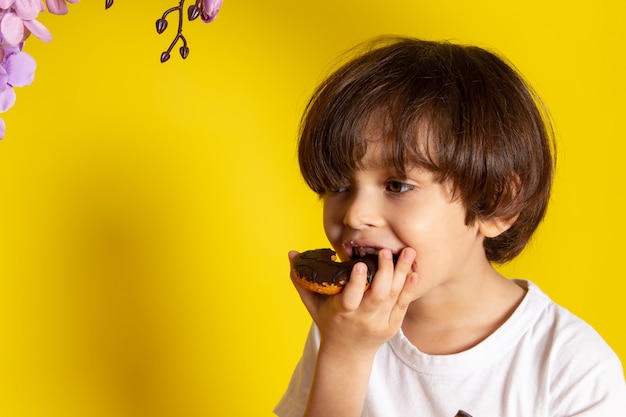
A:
x: 580, y: 368
x: 562, y: 331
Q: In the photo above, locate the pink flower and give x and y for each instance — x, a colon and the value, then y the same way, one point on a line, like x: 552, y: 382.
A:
x: 17, y: 69
x: 19, y: 20
x: 25, y: 9
x: 20, y: 67
x: 210, y: 8
x: 59, y: 6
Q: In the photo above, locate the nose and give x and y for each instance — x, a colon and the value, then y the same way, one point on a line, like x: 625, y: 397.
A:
x: 362, y: 211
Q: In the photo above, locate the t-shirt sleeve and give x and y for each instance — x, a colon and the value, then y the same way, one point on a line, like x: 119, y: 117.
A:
x: 293, y: 403
x: 589, y: 379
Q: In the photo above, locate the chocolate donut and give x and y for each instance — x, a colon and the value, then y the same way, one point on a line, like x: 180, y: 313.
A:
x: 318, y: 270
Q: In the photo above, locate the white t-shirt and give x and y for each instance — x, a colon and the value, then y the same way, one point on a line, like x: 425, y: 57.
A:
x: 542, y: 362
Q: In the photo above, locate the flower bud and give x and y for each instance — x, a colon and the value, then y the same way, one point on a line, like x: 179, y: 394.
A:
x: 210, y: 8
x: 161, y: 25
x: 165, y: 56
x: 184, y: 52
x: 193, y: 12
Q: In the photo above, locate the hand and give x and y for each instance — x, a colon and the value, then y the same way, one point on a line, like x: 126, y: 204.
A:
x: 355, y: 322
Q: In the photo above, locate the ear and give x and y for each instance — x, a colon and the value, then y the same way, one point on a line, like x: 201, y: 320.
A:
x: 494, y: 227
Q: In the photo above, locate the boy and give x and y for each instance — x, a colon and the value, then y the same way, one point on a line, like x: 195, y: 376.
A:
x: 442, y: 155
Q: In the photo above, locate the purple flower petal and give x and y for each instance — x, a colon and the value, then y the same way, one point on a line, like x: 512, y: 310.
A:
x: 12, y: 28
x: 9, y: 49
x: 38, y: 29
x: 57, y: 6
x: 4, y: 79
x: 27, y: 9
x: 21, y: 69
x: 2, y: 128
x: 7, y: 99
x: 210, y: 8
x: 5, y: 4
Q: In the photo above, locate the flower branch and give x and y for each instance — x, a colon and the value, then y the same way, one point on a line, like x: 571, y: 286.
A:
x: 18, y: 20
x: 205, y: 9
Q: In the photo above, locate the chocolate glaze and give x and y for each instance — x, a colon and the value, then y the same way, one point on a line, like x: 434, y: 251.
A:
x: 318, y: 266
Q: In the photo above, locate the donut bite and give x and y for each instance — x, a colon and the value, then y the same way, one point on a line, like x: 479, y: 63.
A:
x: 318, y: 270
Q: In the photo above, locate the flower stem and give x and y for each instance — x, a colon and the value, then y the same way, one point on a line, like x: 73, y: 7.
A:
x: 184, y: 51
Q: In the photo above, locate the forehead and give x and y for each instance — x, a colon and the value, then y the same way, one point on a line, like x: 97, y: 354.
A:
x: 377, y: 165
x: 388, y: 146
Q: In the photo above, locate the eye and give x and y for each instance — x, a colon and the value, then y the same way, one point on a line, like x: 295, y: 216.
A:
x: 398, y: 187
x: 338, y: 190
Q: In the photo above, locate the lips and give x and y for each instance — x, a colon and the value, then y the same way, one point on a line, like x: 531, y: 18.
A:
x: 360, y: 250
x: 363, y: 251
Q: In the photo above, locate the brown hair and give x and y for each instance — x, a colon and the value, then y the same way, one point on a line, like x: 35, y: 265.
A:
x: 459, y: 111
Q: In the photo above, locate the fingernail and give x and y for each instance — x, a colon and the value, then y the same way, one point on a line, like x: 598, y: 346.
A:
x: 361, y: 268
x: 387, y: 254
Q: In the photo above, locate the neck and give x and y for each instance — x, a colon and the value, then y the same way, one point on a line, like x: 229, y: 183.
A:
x: 460, y: 315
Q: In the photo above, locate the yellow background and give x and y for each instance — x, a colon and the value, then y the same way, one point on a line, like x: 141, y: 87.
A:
x: 146, y: 209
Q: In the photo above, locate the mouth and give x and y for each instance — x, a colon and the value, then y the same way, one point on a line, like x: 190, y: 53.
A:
x: 363, y: 251
x: 358, y: 251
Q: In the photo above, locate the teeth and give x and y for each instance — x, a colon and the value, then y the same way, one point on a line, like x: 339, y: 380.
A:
x: 362, y: 251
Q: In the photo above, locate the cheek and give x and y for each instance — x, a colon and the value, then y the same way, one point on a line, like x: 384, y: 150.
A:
x: 332, y: 220
x: 427, y: 229
x: 410, y: 224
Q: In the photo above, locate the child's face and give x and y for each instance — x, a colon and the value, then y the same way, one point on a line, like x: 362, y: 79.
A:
x: 378, y: 209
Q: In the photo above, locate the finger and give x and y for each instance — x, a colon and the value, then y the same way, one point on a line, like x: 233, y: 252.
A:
x: 382, y: 280
x: 402, y: 269
x: 408, y: 294
x: 292, y: 254
x: 352, y: 294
